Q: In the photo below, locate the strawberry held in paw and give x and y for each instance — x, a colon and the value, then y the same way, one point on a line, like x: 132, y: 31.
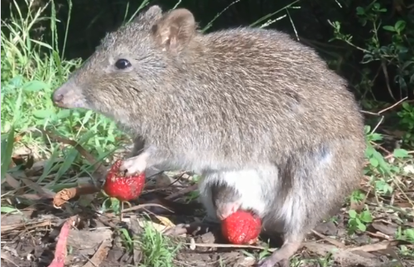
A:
x: 241, y: 227
x: 124, y: 188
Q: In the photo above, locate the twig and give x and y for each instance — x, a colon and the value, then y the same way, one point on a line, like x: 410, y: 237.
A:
x: 382, y: 111
x: 330, y: 240
x: 380, y: 147
x: 391, y: 155
x: 6, y: 257
x: 403, y: 193
x: 379, y: 114
x: 387, y: 78
x: 373, y: 247
x: 147, y: 205
x: 99, y: 256
x: 378, y: 124
x: 385, y: 109
x: 182, y: 192
x: 213, y: 245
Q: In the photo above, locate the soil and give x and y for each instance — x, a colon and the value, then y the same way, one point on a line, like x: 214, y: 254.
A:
x: 30, y: 237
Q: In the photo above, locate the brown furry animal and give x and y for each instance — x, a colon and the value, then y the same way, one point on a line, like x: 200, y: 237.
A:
x: 247, y: 108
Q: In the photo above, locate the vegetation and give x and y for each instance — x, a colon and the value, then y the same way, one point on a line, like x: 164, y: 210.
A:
x: 374, y: 50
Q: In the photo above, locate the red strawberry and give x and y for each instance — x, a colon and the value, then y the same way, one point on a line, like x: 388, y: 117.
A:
x: 241, y: 227
x: 122, y: 187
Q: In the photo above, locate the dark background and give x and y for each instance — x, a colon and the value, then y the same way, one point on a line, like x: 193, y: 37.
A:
x: 91, y: 19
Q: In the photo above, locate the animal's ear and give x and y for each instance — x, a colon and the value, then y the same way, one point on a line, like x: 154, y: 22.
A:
x: 175, y: 30
x: 149, y: 17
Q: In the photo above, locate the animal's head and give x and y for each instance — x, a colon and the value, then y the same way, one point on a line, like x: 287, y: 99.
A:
x: 130, y: 65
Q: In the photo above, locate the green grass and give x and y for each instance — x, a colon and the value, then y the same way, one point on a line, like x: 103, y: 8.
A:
x: 158, y: 250
x: 31, y: 70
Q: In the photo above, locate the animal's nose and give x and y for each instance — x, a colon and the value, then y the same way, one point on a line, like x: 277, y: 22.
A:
x: 57, y: 97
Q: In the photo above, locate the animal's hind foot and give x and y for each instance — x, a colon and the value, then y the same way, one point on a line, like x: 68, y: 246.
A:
x: 281, y: 256
x: 270, y: 263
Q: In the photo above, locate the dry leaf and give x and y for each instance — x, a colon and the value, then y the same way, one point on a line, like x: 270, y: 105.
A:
x: 60, y: 251
x: 342, y: 256
x: 12, y: 182
x: 42, y: 191
x: 374, y: 247
x: 67, y: 194
x: 165, y: 221
x: 99, y: 256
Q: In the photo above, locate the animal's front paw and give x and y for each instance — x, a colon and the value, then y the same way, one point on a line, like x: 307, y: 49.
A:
x: 226, y: 209
x: 134, y: 165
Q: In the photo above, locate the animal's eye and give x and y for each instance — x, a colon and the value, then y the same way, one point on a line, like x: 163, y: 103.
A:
x: 122, y: 64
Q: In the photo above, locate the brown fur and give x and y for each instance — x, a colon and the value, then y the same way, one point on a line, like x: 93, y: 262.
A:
x: 227, y: 102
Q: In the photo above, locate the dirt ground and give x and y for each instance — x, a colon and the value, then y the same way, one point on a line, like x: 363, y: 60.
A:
x: 39, y: 233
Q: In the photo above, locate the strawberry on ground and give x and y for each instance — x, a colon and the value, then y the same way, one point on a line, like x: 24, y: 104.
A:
x: 241, y: 227
x: 122, y: 187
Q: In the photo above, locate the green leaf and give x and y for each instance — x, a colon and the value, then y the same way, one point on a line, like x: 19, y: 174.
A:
x: 400, y: 153
x: 8, y: 210
x: 126, y: 234
x: 369, y: 151
x: 366, y: 217
x: 17, y: 81
x: 360, y: 11
x: 376, y: 137
x: 352, y: 213
x: 409, y: 235
x: 35, y: 86
x: 389, y: 28
x: 400, y: 25
x: 43, y: 114
x: 115, y: 205
x: 382, y: 163
x: 63, y: 113
x: 406, y: 106
x: 361, y: 226
x: 48, y: 167
x: 69, y: 160
x: 383, y: 187
x: 87, y: 117
x: 374, y: 162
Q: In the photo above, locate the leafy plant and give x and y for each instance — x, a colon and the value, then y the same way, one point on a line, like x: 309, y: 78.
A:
x: 375, y: 158
x: 158, y: 250
x: 358, y: 221
x: 379, y: 169
x: 398, y: 53
x: 31, y: 69
x: 405, y: 235
x: 406, y: 122
x: 127, y: 239
x: 357, y: 196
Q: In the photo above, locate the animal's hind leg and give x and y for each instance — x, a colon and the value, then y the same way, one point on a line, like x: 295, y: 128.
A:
x: 291, y: 244
x: 321, y: 179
